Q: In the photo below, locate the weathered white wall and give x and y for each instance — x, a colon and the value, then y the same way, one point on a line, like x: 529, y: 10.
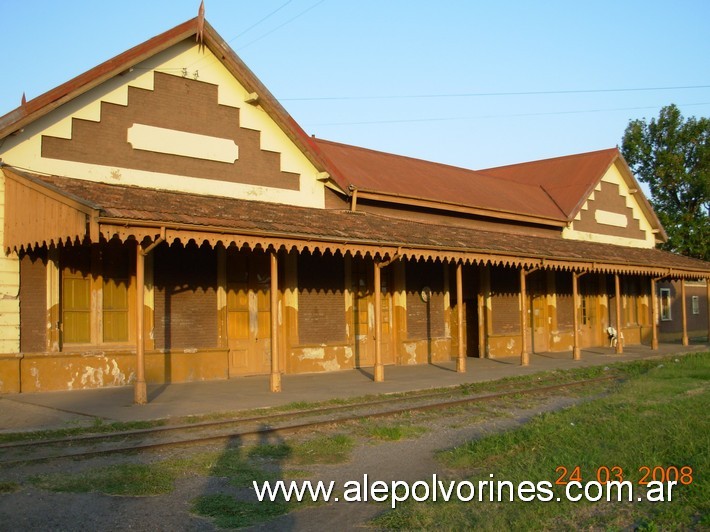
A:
x: 9, y: 290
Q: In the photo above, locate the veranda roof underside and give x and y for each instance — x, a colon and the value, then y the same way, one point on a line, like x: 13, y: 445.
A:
x: 46, y: 210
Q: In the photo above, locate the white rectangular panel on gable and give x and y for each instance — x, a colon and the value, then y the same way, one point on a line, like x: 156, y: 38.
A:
x: 611, y: 218
x: 170, y: 141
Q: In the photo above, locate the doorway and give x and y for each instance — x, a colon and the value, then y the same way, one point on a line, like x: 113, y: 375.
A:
x: 364, y: 313
x: 248, y: 312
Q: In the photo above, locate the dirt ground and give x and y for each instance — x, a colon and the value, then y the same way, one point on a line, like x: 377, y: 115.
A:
x: 31, y: 508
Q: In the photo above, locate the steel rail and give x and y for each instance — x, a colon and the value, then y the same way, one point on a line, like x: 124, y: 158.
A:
x: 282, y: 429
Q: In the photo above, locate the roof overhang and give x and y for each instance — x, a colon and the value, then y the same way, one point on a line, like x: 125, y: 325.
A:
x: 38, y: 214
x: 44, y: 211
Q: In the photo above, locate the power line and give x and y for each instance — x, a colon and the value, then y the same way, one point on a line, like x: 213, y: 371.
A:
x: 478, y: 94
x: 453, y: 118
x: 261, y: 20
x: 245, y: 31
x: 282, y: 25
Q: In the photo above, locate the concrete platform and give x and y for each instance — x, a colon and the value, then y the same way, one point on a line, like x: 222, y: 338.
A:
x: 54, y: 410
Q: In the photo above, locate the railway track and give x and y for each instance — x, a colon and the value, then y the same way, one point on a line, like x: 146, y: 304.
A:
x: 239, y: 429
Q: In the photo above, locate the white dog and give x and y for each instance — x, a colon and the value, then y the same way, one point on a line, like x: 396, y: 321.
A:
x: 614, y: 336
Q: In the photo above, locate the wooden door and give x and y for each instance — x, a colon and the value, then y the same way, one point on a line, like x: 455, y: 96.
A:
x: 538, y: 312
x: 248, y: 313
x: 364, y: 314
x: 589, y: 310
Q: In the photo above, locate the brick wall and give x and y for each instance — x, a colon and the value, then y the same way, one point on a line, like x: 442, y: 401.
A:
x: 505, y: 299
x: 185, y: 297
x: 321, y: 299
x: 33, y: 302
x: 425, y: 319
x: 175, y: 103
x: 565, y: 301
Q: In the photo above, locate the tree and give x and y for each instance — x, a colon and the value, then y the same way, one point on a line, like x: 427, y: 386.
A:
x: 672, y: 155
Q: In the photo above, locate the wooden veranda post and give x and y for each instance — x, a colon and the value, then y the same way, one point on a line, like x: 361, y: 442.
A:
x: 140, y: 393
x: 275, y: 377
x: 524, y: 355
x: 617, y: 302
x: 461, y: 359
x: 379, y: 368
x: 576, y: 351
x: 654, y: 316
x: 684, y: 312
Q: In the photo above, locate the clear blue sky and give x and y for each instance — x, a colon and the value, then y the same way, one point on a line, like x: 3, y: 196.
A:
x: 337, y: 51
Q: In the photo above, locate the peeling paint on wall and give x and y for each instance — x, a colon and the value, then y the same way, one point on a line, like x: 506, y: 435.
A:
x: 94, y: 376
x: 411, y: 350
x: 509, y: 346
x: 348, y: 353
x: 119, y: 378
x: 330, y: 365
x: 312, y: 353
x: 35, y: 373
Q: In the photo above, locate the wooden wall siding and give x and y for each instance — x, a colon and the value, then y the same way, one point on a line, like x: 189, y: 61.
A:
x: 321, y: 299
x: 9, y: 289
x: 33, y: 302
x: 185, y: 280
x: 179, y: 104
x: 425, y: 319
x: 34, y: 216
x: 608, y: 199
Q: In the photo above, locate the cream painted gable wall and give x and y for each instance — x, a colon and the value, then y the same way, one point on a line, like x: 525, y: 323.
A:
x: 607, y: 218
x: 9, y: 291
x: 23, y: 150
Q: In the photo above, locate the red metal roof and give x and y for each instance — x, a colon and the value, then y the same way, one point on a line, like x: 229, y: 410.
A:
x: 568, y: 180
x: 550, y: 191
x: 390, y: 174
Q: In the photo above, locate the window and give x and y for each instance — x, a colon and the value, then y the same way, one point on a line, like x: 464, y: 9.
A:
x: 666, y: 304
x: 696, y: 304
x: 94, y: 294
x: 76, y: 308
x: 76, y: 295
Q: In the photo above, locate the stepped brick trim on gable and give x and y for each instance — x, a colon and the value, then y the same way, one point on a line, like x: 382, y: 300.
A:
x: 608, y: 214
x: 178, y: 104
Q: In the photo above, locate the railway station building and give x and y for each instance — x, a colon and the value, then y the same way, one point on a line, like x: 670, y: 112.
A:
x: 162, y: 225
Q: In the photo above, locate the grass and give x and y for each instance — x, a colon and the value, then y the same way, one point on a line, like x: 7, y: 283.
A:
x: 228, y: 512
x: 658, y: 417
x: 123, y: 479
x: 9, y: 487
x: 389, y: 432
x: 240, y: 466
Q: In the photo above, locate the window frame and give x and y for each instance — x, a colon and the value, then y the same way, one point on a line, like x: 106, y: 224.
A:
x: 665, y: 309
x: 98, y: 277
